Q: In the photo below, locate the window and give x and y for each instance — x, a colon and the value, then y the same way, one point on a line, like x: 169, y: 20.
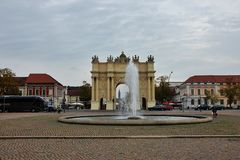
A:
x: 192, y: 91
x: 192, y: 102
x: 199, y: 101
x: 30, y: 92
x: 43, y: 92
x: 199, y: 92
x: 37, y: 92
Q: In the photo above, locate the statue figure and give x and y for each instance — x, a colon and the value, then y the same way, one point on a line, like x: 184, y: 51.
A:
x: 95, y: 59
x: 150, y: 59
x: 110, y: 58
x: 135, y: 58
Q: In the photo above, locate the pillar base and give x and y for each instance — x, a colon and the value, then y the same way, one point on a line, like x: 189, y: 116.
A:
x: 94, y: 105
x: 151, y: 104
x: 109, y: 105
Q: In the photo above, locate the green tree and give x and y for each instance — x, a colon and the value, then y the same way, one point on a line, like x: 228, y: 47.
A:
x: 85, y: 91
x: 162, y: 91
x: 231, y: 92
x: 213, y: 97
x: 8, y: 85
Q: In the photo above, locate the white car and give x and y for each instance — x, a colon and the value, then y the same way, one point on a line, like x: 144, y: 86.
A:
x: 75, y: 105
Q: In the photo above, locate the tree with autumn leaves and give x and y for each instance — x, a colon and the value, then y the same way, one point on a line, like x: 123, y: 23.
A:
x: 232, y: 92
x: 8, y: 85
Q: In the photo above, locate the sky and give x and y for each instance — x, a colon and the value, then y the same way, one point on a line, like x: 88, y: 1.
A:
x: 59, y: 37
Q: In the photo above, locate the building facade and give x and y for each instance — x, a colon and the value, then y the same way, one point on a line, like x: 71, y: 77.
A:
x: 41, y: 85
x: 192, y: 91
x: 72, y: 94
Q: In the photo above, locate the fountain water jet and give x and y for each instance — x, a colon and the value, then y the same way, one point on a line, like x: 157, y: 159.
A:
x: 132, y: 81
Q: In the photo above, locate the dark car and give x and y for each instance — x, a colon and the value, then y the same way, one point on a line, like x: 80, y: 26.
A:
x: 161, y: 108
x: 203, y: 107
x: 22, y: 103
x: 217, y: 107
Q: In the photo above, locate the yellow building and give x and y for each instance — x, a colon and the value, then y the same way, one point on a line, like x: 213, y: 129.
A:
x: 106, y: 76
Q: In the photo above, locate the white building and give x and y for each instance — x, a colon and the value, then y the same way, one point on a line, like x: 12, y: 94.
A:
x: 192, y: 91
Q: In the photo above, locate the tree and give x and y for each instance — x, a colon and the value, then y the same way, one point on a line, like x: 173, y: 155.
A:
x: 8, y: 85
x: 163, y: 92
x: 213, y: 97
x: 85, y: 91
x: 231, y: 92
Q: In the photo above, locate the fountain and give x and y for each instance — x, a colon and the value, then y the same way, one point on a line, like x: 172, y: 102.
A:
x: 132, y: 81
x: 131, y: 105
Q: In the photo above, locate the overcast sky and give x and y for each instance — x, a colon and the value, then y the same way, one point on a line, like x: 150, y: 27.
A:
x: 59, y: 37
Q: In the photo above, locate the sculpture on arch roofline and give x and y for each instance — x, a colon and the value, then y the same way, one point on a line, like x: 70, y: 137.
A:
x: 150, y: 58
x: 95, y: 59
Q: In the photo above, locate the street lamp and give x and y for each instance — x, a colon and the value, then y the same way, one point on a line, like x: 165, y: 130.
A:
x: 170, y: 76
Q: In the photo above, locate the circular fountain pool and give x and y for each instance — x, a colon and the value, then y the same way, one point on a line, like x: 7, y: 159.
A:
x: 142, y: 120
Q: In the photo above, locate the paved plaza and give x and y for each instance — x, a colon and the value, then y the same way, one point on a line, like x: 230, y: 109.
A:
x: 40, y: 136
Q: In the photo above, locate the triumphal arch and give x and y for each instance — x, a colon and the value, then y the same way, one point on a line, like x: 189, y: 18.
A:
x: 106, y: 76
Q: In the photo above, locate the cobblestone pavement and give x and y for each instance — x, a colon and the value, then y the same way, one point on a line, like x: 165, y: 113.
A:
x: 121, y: 149
x: 45, y: 124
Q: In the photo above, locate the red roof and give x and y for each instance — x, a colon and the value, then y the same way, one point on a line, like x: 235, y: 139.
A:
x: 213, y: 79
x: 42, y: 78
x: 74, y: 91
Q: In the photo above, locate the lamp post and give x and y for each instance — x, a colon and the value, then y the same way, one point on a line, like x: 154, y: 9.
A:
x: 170, y: 76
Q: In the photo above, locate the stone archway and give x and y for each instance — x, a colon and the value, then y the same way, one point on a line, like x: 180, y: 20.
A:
x: 107, y: 75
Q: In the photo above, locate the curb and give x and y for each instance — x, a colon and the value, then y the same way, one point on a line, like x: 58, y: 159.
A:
x: 119, y: 137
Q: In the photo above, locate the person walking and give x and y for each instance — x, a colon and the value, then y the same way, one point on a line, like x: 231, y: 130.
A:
x: 214, y: 112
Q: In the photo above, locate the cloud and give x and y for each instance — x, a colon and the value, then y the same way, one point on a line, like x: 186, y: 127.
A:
x: 61, y: 36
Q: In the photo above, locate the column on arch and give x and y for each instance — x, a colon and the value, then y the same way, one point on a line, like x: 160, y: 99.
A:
x: 149, y: 89
x: 97, y: 89
x: 93, y: 89
x: 108, y: 88
x: 113, y: 88
x: 153, y: 89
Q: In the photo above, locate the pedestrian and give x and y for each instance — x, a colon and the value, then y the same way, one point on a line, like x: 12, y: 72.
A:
x: 63, y: 106
x: 214, y: 112
x: 59, y: 109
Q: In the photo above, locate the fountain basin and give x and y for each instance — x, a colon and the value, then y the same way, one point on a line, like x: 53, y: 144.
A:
x: 149, y: 119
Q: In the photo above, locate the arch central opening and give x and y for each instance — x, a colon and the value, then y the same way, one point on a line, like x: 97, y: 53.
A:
x: 122, y: 92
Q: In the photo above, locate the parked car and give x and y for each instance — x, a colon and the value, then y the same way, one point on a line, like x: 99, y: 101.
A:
x: 51, y: 107
x: 161, y: 108
x: 75, y: 105
x: 218, y: 107
x: 203, y: 107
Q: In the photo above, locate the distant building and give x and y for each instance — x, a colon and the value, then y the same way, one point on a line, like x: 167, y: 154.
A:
x: 41, y: 85
x: 192, y: 91
x: 174, y: 87
x: 72, y: 94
